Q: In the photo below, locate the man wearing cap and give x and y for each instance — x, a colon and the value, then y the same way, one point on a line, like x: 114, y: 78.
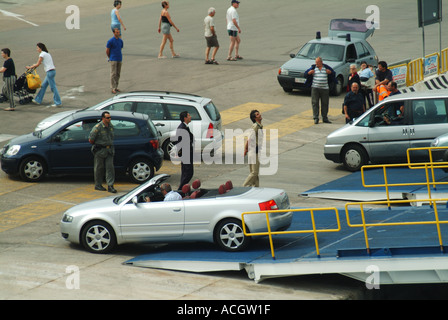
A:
x: 233, y: 29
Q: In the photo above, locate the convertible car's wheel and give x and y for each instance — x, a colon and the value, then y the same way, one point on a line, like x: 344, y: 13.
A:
x: 98, y: 237
x: 141, y: 170
x: 354, y: 157
x: 32, y: 169
x: 229, y: 235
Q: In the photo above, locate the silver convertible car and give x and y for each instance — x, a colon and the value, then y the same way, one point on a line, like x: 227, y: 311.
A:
x: 212, y: 215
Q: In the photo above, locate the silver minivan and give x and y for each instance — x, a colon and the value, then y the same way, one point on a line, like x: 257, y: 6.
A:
x: 384, y: 132
x: 163, y: 108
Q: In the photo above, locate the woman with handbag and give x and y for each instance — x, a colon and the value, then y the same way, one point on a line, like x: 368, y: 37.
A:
x: 46, y: 59
x: 9, y: 78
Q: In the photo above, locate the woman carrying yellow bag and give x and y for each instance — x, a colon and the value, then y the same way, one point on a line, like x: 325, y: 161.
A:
x: 47, y: 60
x: 33, y: 80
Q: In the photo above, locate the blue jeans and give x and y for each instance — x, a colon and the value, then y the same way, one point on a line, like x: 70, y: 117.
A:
x: 49, y: 80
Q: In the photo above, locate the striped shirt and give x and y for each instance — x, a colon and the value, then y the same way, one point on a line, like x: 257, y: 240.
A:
x: 320, y: 78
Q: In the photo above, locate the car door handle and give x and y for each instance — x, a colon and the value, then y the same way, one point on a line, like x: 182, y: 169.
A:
x: 177, y: 209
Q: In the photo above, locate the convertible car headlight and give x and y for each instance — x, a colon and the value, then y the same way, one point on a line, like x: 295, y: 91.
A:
x: 13, y: 150
x: 67, y: 218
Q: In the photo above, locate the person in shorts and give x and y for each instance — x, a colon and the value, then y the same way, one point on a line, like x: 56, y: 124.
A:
x: 233, y: 29
x: 210, y: 37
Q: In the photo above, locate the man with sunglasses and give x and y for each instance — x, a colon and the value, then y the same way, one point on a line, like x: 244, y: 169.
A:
x: 102, y: 139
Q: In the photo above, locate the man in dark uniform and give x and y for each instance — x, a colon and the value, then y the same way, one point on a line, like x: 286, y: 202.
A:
x: 185, y: 141
x: 354, y: 105
x: 102, y: 139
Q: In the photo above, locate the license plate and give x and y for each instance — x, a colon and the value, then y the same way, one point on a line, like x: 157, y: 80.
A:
x: 299, y: 80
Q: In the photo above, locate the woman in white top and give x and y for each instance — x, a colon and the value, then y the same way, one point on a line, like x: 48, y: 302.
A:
x: 46, y: 59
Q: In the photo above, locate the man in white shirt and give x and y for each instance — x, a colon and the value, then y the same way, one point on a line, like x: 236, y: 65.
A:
x: 233, y: 29
x: 210, y: 36
x: 168, y: 193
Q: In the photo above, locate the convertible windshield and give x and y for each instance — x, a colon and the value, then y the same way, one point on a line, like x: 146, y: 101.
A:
x: 328, y: 52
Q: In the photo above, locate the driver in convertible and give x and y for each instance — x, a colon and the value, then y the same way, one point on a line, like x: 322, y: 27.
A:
x: 168, y: 193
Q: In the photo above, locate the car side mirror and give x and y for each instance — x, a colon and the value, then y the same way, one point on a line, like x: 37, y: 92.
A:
x: 134, y: 200
x: 292, y: 55
x: 57, y: 138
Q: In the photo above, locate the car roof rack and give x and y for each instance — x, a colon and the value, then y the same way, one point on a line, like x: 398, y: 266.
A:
x: 160, y: 93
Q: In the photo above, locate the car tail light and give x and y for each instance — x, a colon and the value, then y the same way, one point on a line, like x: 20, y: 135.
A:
x: 268, y: 205
x: 154, y: 144
x: 210, y: 131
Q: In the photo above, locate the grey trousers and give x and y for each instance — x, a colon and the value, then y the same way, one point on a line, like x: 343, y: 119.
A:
x: 115, y: 71
x: 8, y: 89
x: 324, y: 96
x: 103, y: 165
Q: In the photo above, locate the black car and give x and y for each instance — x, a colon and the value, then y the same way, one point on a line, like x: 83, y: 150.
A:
x: 63, y: 148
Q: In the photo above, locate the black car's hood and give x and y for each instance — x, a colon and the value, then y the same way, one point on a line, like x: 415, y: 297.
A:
x: 25, y: 139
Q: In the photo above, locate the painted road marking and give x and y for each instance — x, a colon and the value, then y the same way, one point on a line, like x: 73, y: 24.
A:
x: 242, y: 111
x: 17, y: 16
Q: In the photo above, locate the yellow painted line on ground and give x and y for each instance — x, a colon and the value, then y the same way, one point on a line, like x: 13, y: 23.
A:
x: 47, y: 207
x: 7, y: 185
x: 297, y: 122
x: 286, y: 126
x: 31, y: 212
x: 242, y: 111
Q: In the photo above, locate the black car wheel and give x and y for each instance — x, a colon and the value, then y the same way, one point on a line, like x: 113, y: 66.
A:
x: 141, y: 170
x: 32, y: 169
x: 98, y: 237
x: 354, y: 157
x: 229, y: 235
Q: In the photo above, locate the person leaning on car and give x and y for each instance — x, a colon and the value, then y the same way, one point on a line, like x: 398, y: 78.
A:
x: 320, y: 77
x: 102, y: 139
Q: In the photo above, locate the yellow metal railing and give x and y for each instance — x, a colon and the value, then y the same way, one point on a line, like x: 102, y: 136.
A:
x: 428, y: 167
x: 364, y: 225
x: 431, y: 164
x: 270, y: 233
x: 416, y: 72
x: 443, y: 61
x: 430, y: 181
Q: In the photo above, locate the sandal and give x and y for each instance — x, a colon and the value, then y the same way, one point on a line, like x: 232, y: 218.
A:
x: 231, y: 59
x: 176, y: 56
x: 213, y: 62
x: 9, y: 109
x: 208, y: 62
x: 239, y: 57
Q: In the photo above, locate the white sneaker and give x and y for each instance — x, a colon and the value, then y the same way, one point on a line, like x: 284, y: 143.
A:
x: 35, y: 102
x: 56, y: 105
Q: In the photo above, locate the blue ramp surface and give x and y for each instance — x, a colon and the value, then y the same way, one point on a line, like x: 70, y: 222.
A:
x: 340, y: 252
x: 350, y: 187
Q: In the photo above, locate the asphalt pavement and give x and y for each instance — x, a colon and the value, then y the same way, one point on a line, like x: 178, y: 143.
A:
x: 35, y: 261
